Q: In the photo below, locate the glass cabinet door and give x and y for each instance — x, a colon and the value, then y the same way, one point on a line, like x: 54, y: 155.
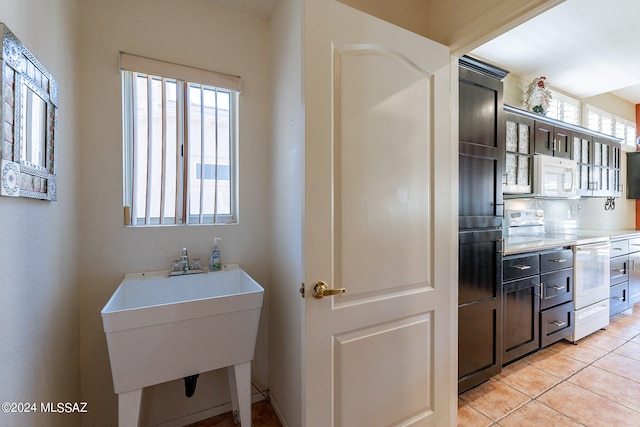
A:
x: 582, y: 156
x: 519, y: 155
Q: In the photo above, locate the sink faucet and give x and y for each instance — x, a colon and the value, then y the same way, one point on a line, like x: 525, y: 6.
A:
x: 184, y: 260
x: 183, y: 266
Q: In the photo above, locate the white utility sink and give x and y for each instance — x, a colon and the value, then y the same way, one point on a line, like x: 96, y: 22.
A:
x: 162, y: 328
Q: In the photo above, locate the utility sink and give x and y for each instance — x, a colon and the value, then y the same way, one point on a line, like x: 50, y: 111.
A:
x: 163, y: 328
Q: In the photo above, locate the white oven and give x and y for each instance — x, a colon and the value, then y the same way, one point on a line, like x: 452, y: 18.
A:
x: 591, y: 287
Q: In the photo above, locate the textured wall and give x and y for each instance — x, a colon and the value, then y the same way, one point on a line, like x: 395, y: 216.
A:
x: 39, y: 343
x: 192, y: 32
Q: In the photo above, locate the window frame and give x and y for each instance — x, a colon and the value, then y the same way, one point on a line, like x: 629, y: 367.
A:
x: 561, y: 100
x: 134, y: 67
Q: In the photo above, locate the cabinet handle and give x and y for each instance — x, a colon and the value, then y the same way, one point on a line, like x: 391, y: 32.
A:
x: 538, y: 292
x: 618, y: 298
x: 559, y: 260
x: 616, y: 249
x: 522, y: 267
x: 556, y: 288
x: 558, y: 323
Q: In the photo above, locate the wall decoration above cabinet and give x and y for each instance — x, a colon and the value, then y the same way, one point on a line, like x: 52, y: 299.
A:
x: 29, y: 108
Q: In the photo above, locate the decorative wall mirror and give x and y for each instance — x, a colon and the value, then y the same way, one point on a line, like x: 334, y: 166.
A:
x: 29, y: 108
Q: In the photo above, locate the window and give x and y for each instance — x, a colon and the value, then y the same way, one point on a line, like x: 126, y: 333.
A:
x: 609, y: 124
x: 179, y: 143
x: 625, y: 130
x: 599, y: 120
x: 564, y: 108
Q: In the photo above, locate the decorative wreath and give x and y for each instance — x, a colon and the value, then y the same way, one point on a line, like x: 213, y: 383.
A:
x: 537, y: 96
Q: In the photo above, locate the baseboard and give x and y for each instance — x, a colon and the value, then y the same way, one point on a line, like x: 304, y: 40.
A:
x: 206, y: 414
x: 274, y: 405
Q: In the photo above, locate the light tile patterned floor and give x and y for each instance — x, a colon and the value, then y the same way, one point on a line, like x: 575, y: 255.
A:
x: 595, y: 383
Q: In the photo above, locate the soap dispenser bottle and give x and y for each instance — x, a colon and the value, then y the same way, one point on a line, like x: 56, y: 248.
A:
x: 215, y: 263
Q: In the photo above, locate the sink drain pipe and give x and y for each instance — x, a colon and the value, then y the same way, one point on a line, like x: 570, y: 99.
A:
x: 190, y: 384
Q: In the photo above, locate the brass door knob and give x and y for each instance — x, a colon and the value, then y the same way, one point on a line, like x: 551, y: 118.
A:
x: 321, y: 289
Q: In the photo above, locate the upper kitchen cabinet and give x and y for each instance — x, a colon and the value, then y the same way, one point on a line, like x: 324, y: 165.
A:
x: 597, y: 155
x: 552, y: 139
x: 598, y: 161
x: 481, y: 148
x: 518, y: 153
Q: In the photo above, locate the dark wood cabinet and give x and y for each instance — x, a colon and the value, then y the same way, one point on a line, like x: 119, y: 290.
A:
x: 619, y: 298
x: 619, y: 277
x: 480, y: 210
x: 518, y: 154
x: 634, y: 271
x: 556, y: 323
x: 597, y: 156
x: 583, y: 155
x: 521, y: 303
x: 624, y: 275
x: 633, y: 175
x: 552, y: 140
x: 598, y: 160
x: 537, y: 301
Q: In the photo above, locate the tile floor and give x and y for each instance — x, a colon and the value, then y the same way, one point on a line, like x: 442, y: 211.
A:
x: 262, y: 415
x: 594, y: 383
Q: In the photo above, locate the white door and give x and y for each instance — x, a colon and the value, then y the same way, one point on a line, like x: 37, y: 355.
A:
x: 380, y: 221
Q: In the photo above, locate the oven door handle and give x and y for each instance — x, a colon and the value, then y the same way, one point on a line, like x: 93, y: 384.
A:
x: 580, y: 248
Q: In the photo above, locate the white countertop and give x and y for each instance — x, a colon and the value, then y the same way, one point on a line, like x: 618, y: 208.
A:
x: 562, y: 238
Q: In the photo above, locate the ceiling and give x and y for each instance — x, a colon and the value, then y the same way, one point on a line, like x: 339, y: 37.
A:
x: 583, y: 47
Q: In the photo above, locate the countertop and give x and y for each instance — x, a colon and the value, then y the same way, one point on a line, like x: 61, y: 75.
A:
x: 561, y: 238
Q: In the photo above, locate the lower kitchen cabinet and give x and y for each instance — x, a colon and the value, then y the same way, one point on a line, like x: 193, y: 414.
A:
x: 619, y: 298
x: 619, y: 277
x: 634, y: 272
x: 625, y: 274
x: 555, y: 322
x: 537, y: 301
x: 479, y: 307
x: 521, y: 307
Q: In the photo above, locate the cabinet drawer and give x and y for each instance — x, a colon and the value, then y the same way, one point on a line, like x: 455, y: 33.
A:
x: 619, y: 271
x: 556, y: 323
x: 556, y: 260
x: 620, y: 247
x: 619, y: 298
x: 634, y: 245
x: 522, y: 266
x: 556, y: 288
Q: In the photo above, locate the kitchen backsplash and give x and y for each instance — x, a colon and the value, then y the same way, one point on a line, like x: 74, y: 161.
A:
x: 584, y: 213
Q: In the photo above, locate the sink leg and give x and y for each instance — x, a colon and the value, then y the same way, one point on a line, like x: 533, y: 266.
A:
x: 129, y: 408
x: 240, y: 387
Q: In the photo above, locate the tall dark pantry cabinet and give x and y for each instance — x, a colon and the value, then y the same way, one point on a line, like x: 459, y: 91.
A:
x: 480, y: 222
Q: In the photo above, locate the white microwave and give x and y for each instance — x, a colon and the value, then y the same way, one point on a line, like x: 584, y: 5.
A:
x: 554, y: 176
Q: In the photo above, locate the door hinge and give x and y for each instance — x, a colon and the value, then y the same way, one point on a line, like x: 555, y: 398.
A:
x: 302, y: 290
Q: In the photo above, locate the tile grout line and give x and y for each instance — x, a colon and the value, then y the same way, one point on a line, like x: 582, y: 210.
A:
x: 496, y: 423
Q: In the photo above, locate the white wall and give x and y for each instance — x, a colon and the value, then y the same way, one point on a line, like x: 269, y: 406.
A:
x: 514, y: 85
x: 200, y: 34
x: 39, y: 342
x: 287, y: 319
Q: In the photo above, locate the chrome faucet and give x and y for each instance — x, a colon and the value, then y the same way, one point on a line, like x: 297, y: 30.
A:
x: 183, y: 265
x: 184, y: 260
